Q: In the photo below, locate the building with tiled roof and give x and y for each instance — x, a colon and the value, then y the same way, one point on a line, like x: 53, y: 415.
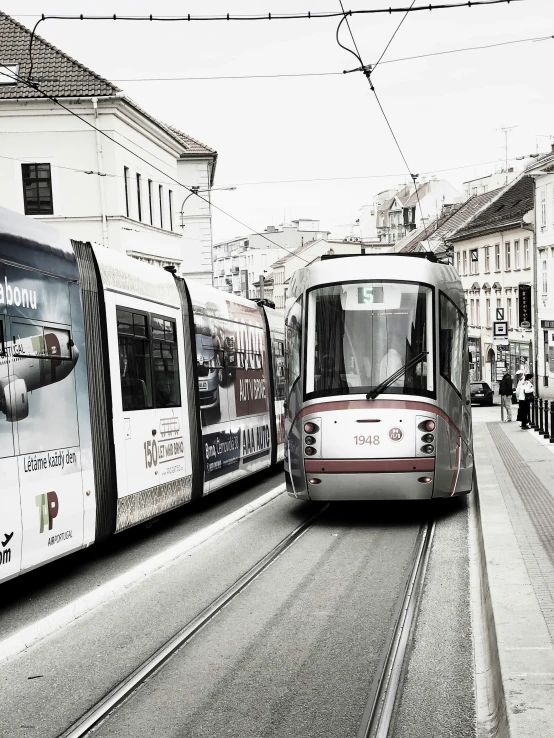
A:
x: 129, y: 189
x: 493, y: 253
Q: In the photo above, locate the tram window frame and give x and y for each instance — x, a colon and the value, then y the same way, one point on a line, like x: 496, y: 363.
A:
x: 444, y: 299
x: 44, y: 326
x: 149, y: 342
x: 431, y: 355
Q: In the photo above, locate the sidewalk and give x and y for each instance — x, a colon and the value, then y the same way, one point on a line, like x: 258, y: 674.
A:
x: 515, y: 473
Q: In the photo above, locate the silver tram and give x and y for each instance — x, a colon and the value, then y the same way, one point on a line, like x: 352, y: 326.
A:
x: 377, y: 380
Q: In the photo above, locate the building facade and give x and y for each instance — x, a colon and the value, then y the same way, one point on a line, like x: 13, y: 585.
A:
x: 240, y: 262
x: 493, y: 254
x: 542, y: 172
x: 99, y: 168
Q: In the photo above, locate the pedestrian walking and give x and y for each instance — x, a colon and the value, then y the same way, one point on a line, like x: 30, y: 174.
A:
x: 528, y: 392
x: 506, y: 390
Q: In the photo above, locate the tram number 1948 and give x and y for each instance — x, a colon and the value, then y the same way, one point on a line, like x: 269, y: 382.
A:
x: 363, y: 440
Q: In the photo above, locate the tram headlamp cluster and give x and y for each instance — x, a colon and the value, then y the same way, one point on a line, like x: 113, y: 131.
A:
x: 311, y: 429
x: 428, y: 449
x: 428, y: 438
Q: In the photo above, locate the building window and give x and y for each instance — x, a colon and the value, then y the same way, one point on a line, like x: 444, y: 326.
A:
x: 170, y: 210
x: 525, y: 253
x: 543, y: 207
x: 487, y: 259
x: 126, y: 179
x: 488, y: 308
x: 37, y: 189
x: 507, y: 253
x: 161, y: 196
x: 139, y: 200
x: 472, y: 314
x: 474, y: 257
x: 150, y: 201
x: 458, y: 262
x: 465, y: 262
x: 509, y: 311
x: 544, y: 277
x: 498, y: 303
x: 477, y: 313
x: 9, y: 74
x: 516, y: 254
x: 497, y: 257
x: 517, y: 311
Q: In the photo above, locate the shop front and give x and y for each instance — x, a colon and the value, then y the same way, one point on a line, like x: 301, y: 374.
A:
x: 475, y: 368
x: 514, y: 357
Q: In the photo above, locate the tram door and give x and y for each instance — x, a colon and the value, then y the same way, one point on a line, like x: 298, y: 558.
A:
x: 10, y: 505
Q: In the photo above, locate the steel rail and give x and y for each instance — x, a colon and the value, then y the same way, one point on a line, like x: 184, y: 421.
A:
x: 378, y: 713
x: 129, y: 685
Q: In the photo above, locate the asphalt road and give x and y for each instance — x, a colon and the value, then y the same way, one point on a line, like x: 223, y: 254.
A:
x: 293, y: 655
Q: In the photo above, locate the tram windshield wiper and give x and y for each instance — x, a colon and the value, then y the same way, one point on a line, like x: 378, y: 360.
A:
x: 393, y: 377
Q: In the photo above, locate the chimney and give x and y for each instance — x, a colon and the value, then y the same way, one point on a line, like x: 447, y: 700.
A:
x: 552, y: 147
x: 271, y: 229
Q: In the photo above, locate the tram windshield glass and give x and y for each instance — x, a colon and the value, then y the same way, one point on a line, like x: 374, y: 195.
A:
x: 361, y: 333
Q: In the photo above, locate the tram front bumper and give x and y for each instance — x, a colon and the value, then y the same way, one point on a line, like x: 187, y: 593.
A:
x: 382, y: 479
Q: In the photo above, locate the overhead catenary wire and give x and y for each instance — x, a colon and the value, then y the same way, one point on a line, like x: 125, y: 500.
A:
x: 366, y: 69
x: 176, y: 181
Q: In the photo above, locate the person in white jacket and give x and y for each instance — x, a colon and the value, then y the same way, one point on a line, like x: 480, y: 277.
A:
x: 520, y: 395
x: 528, y: 390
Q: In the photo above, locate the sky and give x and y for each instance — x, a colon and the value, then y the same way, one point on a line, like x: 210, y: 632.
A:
x: 447, y: 112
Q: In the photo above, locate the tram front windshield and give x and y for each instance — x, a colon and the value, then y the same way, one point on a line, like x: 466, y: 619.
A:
x: 359, y: 334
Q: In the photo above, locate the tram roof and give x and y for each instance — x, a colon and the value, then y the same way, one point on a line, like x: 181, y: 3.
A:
x: 417, y: 267
x: 29, y: 243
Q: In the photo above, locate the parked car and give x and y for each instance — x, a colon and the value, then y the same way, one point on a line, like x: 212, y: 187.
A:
x: 481, y: 393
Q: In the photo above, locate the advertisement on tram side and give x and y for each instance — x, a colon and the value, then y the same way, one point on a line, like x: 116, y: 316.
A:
x: 45, y: 439
x: 233, y: 384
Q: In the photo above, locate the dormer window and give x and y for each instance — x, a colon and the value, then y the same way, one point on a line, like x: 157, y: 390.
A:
x: 9, y: 74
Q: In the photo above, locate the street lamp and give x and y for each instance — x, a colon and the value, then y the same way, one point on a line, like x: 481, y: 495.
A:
x: 195, y: 190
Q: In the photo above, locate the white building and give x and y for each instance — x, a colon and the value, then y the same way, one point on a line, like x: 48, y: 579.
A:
x: 239, y: 263
x: 480, y: 185
x: 544, y: 294
x: 493, y: 254
x: 125, y: 189
x: 395, y: 213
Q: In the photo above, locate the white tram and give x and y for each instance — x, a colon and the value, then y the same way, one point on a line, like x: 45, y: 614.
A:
x: 124, y: 392
x: 377, y: 396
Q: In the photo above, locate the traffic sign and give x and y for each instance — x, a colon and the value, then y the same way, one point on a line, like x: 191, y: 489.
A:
x: 500, y: 313
x: 500, y: 329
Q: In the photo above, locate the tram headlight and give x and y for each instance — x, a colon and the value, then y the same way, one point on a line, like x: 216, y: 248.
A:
x: 428, y: 449
x: 427, y: 425
x: 428, y: 438
x: 310, y: 451
x: 309, y: 440
x: 311, y: 428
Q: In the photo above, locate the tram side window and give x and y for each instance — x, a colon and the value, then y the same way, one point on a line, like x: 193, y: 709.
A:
x: 165, y: 363
x: 294, y: 344
x: 451, y: 342
x: 279, y: 370
x: 44, y: 341
x: 134, y: 360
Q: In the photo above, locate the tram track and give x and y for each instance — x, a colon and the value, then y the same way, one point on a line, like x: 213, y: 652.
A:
x: 128, y: 686
x: 385, y: 686
x: 377, y: 717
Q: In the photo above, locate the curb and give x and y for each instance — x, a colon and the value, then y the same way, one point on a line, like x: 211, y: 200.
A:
x: 32, y: 634
x: 492, y: 717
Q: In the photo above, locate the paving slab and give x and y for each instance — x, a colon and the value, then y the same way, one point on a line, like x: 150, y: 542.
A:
x: 515, y: 472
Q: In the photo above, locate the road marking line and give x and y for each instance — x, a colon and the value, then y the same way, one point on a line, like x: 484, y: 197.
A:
x: 31, y: 634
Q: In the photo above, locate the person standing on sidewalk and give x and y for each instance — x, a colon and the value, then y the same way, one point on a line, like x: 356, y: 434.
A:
x: 520, y: 395
x: 528, y: 390
x: 506, y: 389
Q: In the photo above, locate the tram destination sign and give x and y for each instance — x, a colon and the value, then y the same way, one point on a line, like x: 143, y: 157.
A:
x: 525, y: 318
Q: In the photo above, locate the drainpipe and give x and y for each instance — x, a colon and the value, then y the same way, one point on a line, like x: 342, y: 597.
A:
x: 100, y: 165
